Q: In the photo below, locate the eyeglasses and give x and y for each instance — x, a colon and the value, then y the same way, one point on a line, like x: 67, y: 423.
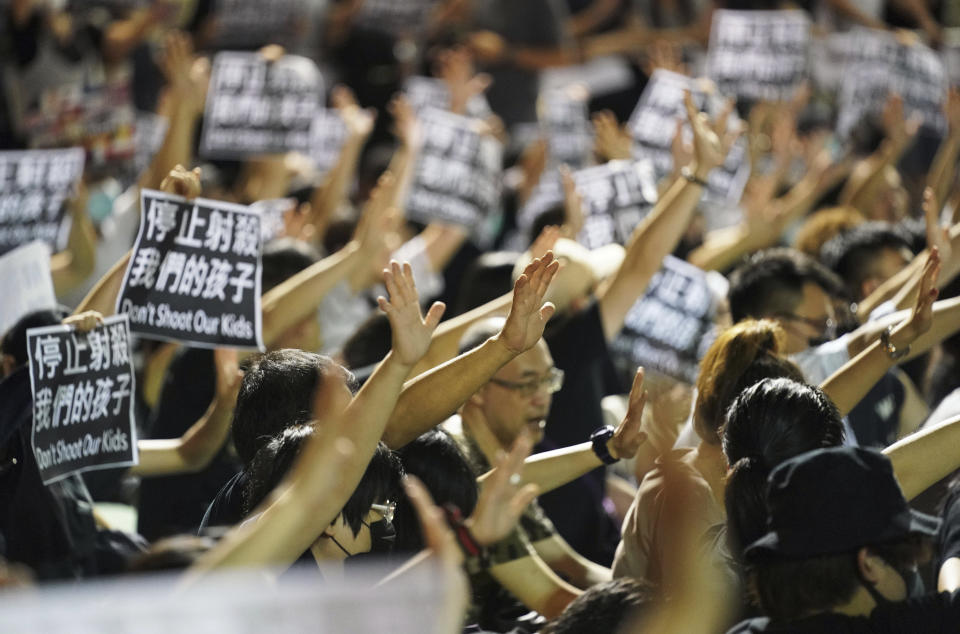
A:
x: 552, y: 382
x: 386, y: 510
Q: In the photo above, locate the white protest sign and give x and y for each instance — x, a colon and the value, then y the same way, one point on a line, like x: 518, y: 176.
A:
x: 397, y: 17
x: 457, y: 179
x: 34, y: 188
x: 428, y: 92
x: 25, y: 283
x: 671, y: 327
x: 616, y: 196
x: 760, y: 55
x: 327, y: 138
x: 256, y: 106
x: 877, y: 64
x: 251, y: 24
x: 565, y: 123
x: 83, y: 387
x: 653, y: 125
x: 194, y: 275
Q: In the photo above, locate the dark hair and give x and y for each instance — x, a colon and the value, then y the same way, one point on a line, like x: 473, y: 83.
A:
x: 14, y: 342
x: 486, y: 278
x: 790, y: 589
x: 853, y: 254
x: 605, y: 607
x: 555, y: 215
x: 822, y: 225
x: 741, y: 355
x: 283, y: 258
x: 369, y: 344
x: 771, y: 421
x: 380, y: 482
x: 436, y: 460
x: 276, y: 392
x: 479, y: 332
x: 772, y: 281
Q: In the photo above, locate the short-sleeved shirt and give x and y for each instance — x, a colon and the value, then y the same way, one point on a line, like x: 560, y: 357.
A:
x: 930, y: 614
x: 641, y: 552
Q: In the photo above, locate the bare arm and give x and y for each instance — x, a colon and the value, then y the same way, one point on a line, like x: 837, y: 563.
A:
x: 532, y: 581
x: 196, y: 448
x: 848, y: 385
x: 72, y: 266
x: 430, y: 398
x: 926, y: 457
x: 333, y: 461
x: 658, y: 234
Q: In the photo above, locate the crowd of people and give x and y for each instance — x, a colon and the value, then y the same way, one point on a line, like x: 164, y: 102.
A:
x: 425, y: 396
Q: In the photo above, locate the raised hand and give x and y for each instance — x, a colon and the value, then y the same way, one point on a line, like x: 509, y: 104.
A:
x: 410, y: 331
x: 84, y: 322
x: 359, y: 121
x: 572, y: 204
x: 897, y: 127
x: 627, y: 438
x: 937, y: 235
x: 501, y: 503
x: 186, y: 75
x: 182, y: 182
x: 610, y: 140
x: 528, y: 314
x: 545, y: 241
x: 455, y: 68
x: 921, y: 318
x: 406, y: 127
x: 711, y: 140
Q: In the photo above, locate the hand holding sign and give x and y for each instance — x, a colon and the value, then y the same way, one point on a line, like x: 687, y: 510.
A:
x: 359, y: 122
x: 455, y: 67
x: 182, y: 182
x: 411, y: 333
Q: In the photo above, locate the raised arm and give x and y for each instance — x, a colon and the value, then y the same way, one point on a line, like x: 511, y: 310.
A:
x: 552, y: 469
x: 198, y: 445
x: 102, y: 298
x: 333, y: 461
x: 926, y: 457
x: 848, y: 385
x: 72, y: 266
x: 431, y: 397
x: 658, y: 234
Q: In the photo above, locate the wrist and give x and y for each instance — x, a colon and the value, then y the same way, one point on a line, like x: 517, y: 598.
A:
x: 698, y: 170
x: 612, y: 450
x: 896, y: 340
x: 500, y: 344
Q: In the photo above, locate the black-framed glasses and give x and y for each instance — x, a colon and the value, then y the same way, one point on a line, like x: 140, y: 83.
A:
x: 551, y: 382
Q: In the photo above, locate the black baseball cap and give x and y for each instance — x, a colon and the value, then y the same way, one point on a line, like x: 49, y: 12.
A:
x: 831, y: 501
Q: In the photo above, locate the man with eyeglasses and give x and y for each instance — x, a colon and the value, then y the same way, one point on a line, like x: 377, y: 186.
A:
x: 535, y: 563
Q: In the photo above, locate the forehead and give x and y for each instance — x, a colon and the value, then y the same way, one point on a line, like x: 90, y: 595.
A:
x: 533, y: 362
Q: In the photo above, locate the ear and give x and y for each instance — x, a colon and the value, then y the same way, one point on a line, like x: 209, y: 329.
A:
x: 7, y: 365
x: 870, y: 566
x: 868, y: 286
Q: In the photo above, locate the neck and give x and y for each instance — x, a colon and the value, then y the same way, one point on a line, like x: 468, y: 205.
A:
x: 862, y: 604
x: 712, y: 464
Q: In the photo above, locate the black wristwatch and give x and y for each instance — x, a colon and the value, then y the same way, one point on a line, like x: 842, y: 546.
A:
x: 599, y: 439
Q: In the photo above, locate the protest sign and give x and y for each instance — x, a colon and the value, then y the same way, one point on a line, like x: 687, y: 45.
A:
x: 427, y: 92
x: 271, y: 213
x: 616, y: 196
x: 260, y: 107
x: 652, y: 125
x: 25, y: 283
x: 457, y: 178
x: 397, y: 17
x: 565, y: 123
x: 671, y: 327
x: 34, y: 188
x: 250, y: 24
x: 194, y: 275
x: 876, y: 64
x: 759, y: 55
x: 83, y: 387
x: 327, y: 138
